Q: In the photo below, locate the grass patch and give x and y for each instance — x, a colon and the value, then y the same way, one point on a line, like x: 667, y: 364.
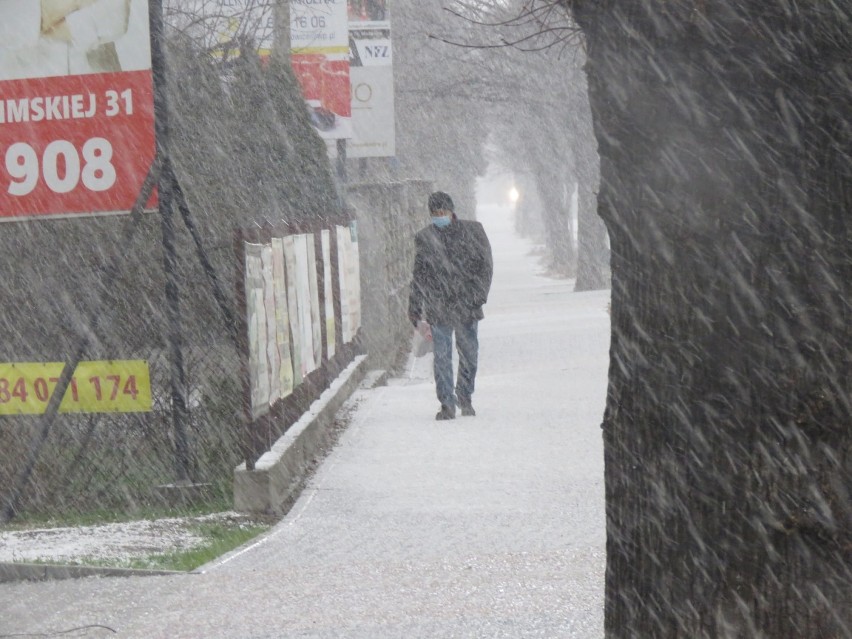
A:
x: 218, y: 540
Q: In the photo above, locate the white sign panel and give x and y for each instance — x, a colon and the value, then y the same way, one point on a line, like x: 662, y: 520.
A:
x: 371, y: 74
x: 319, y: 26
x: 373, y: 52
x: 373, y: 113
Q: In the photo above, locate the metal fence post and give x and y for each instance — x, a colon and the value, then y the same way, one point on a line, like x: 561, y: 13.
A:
x: 165, y: 194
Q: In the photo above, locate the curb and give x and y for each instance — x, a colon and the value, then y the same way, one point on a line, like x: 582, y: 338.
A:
x: 10, y: 572
x: 279, y: 472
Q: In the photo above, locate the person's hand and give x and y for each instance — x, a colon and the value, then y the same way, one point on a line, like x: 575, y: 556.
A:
x: 425, y: 330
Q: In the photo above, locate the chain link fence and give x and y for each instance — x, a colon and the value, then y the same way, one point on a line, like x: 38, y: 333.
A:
x: 243, y: 152
x: 244, y: 155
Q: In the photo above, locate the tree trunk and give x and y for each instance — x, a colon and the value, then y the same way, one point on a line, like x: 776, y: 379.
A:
x: 592, y: 249
x: 726, y: 186
x: 559, y: 238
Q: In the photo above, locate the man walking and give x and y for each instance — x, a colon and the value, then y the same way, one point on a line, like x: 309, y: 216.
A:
x: 451, y: 280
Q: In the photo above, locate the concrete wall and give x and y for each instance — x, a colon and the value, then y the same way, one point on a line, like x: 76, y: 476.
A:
x: 279, y: 474
x: 389, y: 214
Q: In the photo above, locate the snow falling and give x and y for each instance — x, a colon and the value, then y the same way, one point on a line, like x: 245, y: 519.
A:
x: 209, y: 375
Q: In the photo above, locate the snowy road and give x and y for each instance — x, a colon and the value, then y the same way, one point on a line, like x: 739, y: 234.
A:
x: 490, y: 526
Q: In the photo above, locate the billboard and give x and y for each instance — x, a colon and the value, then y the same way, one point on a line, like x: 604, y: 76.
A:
x: 319, y: 50
x: 223, y: 26
x: 76, y: 107
x: 371, y: 74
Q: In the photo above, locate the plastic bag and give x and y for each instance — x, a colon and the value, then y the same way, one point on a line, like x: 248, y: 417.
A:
x: 422, y: 340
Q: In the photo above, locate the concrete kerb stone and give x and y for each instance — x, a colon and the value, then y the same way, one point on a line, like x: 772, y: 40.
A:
x: 10, y: 572
x: 280, y: 472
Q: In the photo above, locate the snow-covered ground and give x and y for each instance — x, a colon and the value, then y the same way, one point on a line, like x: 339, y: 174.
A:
x: 112, y: 544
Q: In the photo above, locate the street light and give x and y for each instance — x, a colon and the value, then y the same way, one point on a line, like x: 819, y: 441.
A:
x: 514, y: 195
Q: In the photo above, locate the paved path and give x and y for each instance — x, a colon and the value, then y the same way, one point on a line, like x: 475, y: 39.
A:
x: 490, y: 526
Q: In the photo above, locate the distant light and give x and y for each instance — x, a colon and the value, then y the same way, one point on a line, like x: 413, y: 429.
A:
x: 514, y: 195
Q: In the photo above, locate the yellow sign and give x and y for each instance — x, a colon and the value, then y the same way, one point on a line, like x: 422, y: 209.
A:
x: 115, y: 386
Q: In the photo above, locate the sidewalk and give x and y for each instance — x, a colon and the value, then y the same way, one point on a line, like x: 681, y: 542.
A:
x: 490, y: 526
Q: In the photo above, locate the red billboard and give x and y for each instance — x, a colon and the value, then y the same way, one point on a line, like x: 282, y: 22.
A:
x: 319, y: 40
x: 76, y: 106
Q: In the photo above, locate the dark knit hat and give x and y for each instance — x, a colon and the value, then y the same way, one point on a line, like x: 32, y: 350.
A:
x: 440, y: 201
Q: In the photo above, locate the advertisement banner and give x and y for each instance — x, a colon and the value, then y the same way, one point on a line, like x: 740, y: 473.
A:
x: 76, y: 107
x: 116, y: 386
x: 224, y: 26
x: 319, y: 41
x: 368, y: 14
x: 371, y: 76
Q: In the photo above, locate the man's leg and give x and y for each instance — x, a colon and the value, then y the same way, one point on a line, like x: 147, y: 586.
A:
x: 442, y: 340
x: 467, y: 342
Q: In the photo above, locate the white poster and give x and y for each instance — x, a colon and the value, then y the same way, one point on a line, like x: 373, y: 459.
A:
x: 257, y: 333
x: 329, y: 295
x: 316, y: 321
x: 293, y: 307
x: 272, y: 357
x: 343, y: 278
x: 282, y: 321
x: 354, y: 278
x: 303, y: 295
x: 350, y: 280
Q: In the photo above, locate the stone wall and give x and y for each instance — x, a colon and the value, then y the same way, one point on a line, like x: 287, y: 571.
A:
x: 388, y: 214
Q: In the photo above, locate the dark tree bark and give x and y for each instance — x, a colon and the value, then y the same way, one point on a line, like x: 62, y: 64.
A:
x: 592, y: 249
x: 726, y: 186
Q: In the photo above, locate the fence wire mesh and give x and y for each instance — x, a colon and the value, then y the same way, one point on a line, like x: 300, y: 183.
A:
x: 244, y: 155
x: 243, y: 152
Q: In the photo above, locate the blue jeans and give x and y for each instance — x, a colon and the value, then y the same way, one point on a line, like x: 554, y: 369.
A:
x: 467, y: 344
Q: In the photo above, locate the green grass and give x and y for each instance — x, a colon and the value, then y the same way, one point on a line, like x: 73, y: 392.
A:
x: 218, y: 540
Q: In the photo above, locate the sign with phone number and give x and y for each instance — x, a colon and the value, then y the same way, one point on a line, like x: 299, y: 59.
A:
x: 75, y: 145
x: 116, y: 386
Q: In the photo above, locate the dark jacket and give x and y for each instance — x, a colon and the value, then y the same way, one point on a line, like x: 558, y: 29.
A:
x: 452, y: 273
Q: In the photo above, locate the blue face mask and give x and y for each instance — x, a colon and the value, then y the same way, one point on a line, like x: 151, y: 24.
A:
x: 442, y: 221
